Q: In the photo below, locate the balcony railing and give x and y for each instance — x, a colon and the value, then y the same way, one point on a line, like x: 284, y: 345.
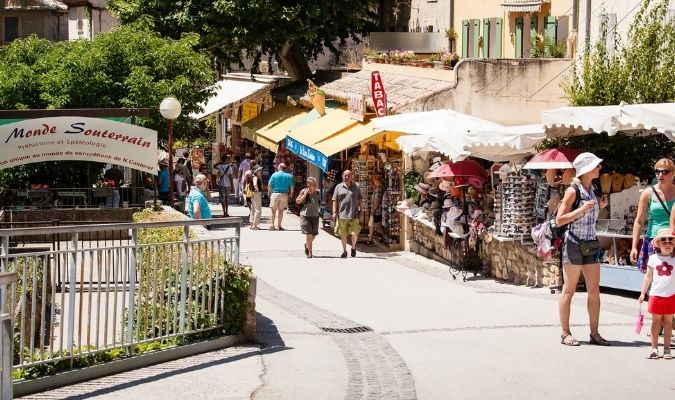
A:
x: 74, y: 197
x: 419, y: 42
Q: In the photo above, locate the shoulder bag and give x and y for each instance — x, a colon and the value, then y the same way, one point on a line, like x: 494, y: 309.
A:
x: 660, y: 200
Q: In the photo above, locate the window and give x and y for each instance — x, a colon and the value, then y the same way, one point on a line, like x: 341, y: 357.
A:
x: 11, y: 28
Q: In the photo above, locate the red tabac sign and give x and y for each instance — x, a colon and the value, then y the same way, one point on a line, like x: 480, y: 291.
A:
x: 378, y: 94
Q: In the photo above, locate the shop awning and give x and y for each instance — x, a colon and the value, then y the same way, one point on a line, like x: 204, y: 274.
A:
x: 272, y: 126
x: 228, y: 91
x: 346, y: 139
x: 524, y: 6
x: 313, y: 132
x: 629, y: 119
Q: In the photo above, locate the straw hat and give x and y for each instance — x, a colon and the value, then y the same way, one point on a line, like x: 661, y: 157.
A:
x: 663, y: 233
x: 422, y: 187
x: 445, y: 185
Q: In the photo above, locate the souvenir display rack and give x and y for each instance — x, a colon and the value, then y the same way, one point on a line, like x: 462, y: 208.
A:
x: 363, y: 169
x: 514, y: 206
x: 391, y: 220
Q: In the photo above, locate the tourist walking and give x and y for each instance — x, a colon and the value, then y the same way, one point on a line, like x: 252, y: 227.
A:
x: 244, y: 168
x: 310, y: 205
x: 579, y: 210
x: 204, y: 170
x: 163, y: 181
x: 655, y: 205
x: 279, y: 188
x: 181, y: 184
x: 187, y: 169
x: 197, y: 205
x: 225, y: 174
x: 346, y: 207
x: 256, y: 200
x: 662, y: 292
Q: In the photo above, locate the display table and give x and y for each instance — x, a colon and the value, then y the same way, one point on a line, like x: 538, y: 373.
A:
x: 624, y: 277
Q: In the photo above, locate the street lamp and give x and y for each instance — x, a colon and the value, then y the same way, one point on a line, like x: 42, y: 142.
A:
x: 170, y: 109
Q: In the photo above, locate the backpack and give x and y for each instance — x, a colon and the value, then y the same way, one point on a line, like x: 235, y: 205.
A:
x: 548, y: 234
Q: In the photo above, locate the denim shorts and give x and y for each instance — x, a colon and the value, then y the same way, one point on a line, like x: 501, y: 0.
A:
x: 572, y: 254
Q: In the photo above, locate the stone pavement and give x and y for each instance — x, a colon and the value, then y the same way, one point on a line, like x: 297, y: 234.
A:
x: 394, y: 325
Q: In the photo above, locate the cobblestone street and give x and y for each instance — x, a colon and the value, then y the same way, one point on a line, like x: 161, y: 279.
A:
x: 389, y: 325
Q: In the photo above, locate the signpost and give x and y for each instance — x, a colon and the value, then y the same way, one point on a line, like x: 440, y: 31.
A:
x: 378, y: 94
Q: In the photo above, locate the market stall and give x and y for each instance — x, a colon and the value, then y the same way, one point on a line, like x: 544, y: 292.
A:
x: 614, y: 227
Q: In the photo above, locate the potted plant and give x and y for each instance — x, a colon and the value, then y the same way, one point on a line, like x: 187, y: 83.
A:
x: 449, y: 60
x: 396, y: 56
x: 435, y: 59
x: 409, y: 57
x: 369, y: 54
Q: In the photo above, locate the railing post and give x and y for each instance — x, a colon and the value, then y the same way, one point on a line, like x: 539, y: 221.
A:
x: 132, y: 289
x: 3, y: 268
x: 6, y: 339
x: 183, y: 278
x: 74, y: 241
x: 237, y: 233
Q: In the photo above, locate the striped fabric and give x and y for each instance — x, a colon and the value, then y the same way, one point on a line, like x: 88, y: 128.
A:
x: 584, y: 227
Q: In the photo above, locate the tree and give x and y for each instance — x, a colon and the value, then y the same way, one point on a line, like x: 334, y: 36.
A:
x: 128, y: 67
x: 232, y: 30
x: 639, y: 72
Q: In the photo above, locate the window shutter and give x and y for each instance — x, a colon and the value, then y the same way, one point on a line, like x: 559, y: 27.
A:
x: 550, y: 32
x: 534, y: 25
x: 486, y: 37
x: 465, y: 39
x: 476, y: 37
x: 519, y: 37
x: 498, y: 38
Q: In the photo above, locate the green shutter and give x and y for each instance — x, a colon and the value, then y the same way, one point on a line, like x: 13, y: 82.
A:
x: 550, y: 24
x: 486, y: 37
x: 465, y: 39
x: 498, y: 38
x: 534, y: 23
x: 519, y: 37
x: 476, y: 37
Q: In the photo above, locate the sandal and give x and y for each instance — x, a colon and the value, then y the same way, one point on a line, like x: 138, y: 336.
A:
x: 569, y: 340
x: 666, y: 354
x: 599, y: 340
x: 369, y: 242
x: 654, y: 355
x: 306, y: 251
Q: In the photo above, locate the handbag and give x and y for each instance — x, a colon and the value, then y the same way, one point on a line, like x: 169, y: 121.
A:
x: 248, y: 192
x: 589, y: 248
x: 639, y: 320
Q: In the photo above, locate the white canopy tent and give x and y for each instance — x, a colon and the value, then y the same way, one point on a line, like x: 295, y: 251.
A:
x: 460, y: 135
x: 630, y: 119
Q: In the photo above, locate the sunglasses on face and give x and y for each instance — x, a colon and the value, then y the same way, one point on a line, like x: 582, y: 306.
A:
x: 662, y: 171
x: 666, y: 240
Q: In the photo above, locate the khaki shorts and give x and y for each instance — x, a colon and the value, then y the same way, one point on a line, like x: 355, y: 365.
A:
x: 279, y: 200
x: 345, y: 227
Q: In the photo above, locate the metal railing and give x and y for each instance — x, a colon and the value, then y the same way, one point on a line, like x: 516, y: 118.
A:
x: 74, y: 197
x: 6, y: 278
x: 114, y: 296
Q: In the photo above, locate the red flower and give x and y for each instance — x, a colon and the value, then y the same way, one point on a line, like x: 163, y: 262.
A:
x: 664, y: 269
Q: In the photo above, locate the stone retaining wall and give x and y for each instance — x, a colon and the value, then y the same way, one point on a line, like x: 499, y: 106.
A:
x: 510, y: 261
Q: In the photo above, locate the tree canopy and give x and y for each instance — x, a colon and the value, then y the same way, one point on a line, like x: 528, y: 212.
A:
x: 640, y: 71
x: 231, y: 30
x: 128, y: 67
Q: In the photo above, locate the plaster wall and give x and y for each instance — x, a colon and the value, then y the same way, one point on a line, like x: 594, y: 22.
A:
x: 506, y: 91
x: 425, y: 13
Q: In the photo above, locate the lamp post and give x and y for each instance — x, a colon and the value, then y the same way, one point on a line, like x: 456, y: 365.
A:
x: 170, y: 109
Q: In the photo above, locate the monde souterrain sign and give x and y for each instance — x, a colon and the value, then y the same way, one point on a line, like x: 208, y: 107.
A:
x: 78, y: 138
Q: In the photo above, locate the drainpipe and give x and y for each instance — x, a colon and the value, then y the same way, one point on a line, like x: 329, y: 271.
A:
x: 588, y: 24
x: 452, y: 23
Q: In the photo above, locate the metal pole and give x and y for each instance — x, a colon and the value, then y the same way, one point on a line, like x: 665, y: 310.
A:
x: 72, y: 294
x: 132, y: 290
x: 6, y: 352
x: 183, y: 278
x: 170, y: 132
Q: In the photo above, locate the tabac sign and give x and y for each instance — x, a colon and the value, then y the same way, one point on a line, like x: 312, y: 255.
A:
x: 78, y: 138
x: 378, y: 94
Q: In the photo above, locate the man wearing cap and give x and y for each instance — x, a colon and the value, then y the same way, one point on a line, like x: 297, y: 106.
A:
x: 244, y: 167
x: 279, y: 188
x: 346, y: 206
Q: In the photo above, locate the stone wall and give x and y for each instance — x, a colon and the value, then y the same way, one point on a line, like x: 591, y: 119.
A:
x: 510, y: 261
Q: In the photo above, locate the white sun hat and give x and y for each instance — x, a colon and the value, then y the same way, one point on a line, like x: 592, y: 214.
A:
x: 585, y: 163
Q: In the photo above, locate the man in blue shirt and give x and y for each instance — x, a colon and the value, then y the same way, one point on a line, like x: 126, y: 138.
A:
x: 163, y: 181
x: 197, y: 204
x: 279, y: 188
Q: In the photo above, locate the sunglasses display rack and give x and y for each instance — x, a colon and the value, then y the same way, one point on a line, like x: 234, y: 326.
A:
x: 514, y: 206
x: 363, y: 169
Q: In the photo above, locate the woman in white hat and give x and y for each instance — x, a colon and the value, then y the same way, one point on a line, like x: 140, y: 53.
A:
x: 579, y: 210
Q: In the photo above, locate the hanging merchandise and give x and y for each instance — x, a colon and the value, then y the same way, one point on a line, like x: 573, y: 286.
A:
x: 514, y: 206
x: 391, y: 220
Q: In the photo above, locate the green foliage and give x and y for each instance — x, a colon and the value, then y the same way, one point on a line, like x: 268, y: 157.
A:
x: 57, y: 174
x: 411, y: 179
x: 128, y: 67
x: 235, y: 29
x: 546, y: 47
x: 639, y: 72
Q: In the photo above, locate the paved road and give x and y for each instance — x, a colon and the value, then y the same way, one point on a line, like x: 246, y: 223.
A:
x: 396, y: 326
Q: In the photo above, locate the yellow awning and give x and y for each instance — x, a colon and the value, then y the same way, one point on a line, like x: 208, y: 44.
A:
x: 272, y: 126
x: 347, y: 138
x: 334, y: 121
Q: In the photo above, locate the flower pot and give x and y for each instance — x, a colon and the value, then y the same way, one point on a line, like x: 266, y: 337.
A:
x: 438, y: 64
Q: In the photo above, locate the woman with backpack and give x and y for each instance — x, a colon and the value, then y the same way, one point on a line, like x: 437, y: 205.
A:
x: 579, y: 210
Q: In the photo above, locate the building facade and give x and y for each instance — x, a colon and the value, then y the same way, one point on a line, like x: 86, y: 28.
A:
x: 53, y: 19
